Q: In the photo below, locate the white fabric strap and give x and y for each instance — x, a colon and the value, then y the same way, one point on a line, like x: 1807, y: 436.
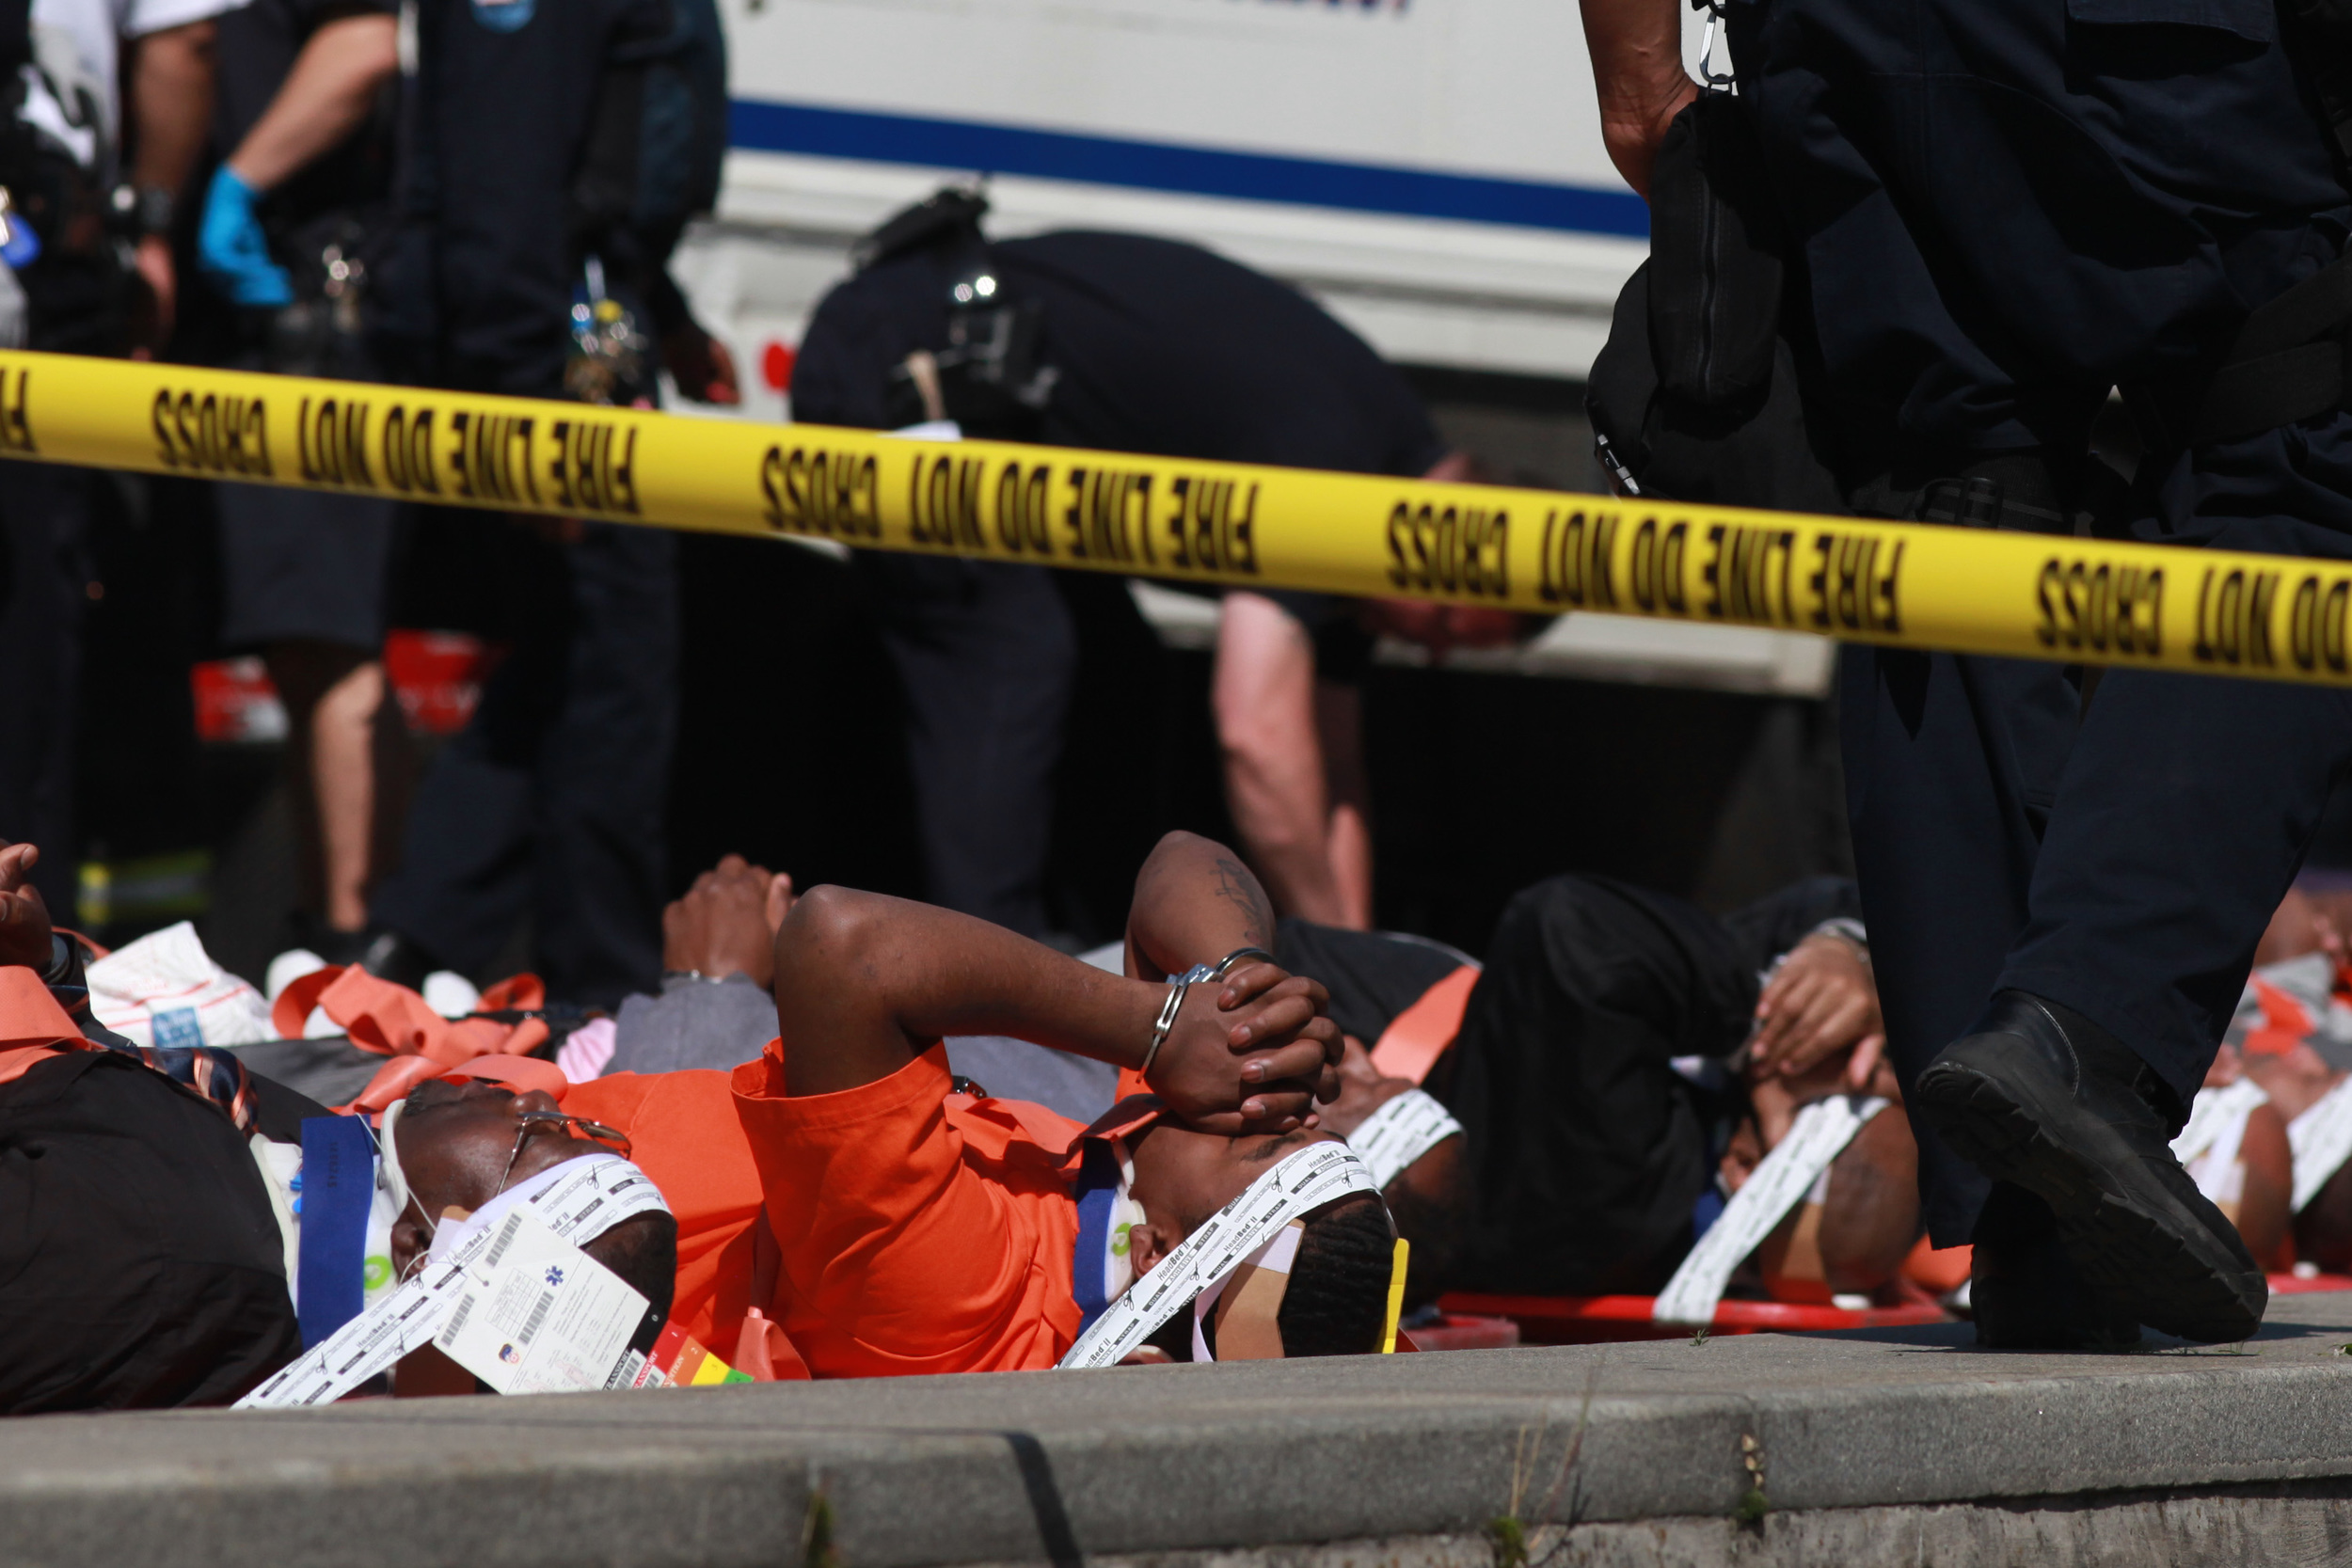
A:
x: 1301, y: 1183
x: 2208, y: 1145
x: 1819, y: 1134
x: 2321, y: 1138
x: 579, y: 1200
x: 1277, y: 1254
x: 1405, y: 1127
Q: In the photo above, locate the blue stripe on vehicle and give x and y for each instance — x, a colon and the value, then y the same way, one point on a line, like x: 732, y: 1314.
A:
x: 761, y: 126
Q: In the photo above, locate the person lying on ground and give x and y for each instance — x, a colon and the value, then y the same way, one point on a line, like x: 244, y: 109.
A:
x: 2271, y: 1126
x: 148, y: 1262
x: 1594, y: 995
x: 1618, y: 1040
x: 889, y: 1224
x: 718, y: 940
x: 2236, y: 1147
x: 1404, y: 998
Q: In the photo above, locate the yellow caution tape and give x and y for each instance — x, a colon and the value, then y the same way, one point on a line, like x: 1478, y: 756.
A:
x: 1237, y: 525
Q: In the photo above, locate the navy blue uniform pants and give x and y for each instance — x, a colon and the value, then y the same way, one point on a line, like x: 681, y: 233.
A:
x: 2003, y: 208
x: 44, y: 578
x: 552, y: 800
x: 987, y: 654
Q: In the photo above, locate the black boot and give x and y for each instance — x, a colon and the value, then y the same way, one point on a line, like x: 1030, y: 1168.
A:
x: 390, y: 956
x: 2070, y: 1115
x: 2024, y: 1291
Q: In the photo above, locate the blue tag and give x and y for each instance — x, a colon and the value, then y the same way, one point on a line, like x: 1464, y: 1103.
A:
x: 337, y: 1189
x: 175, y: 1029
x: 1091, y: 1254
x: 23, y: 247
x: 504, y: 16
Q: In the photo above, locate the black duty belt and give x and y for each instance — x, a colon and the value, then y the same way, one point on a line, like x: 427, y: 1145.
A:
x: 1978, y: 502
x: 2287, y: 363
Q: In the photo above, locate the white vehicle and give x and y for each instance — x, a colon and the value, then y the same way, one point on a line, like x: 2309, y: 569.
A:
x: 1430, y: 170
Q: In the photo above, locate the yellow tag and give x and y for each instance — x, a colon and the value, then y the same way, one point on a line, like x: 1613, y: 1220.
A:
x: 1396, y: 1295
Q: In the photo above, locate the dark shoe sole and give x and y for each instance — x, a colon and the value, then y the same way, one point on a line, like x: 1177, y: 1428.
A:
x: 2144, y: 1246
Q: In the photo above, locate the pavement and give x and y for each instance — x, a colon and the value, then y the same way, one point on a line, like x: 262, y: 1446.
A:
x: 1750, y: 1441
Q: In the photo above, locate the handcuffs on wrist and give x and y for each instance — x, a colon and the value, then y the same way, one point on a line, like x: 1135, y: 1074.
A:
x: 1178, y: 985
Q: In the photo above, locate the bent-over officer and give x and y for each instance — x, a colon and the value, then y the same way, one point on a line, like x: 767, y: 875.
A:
x: 1129, y: 343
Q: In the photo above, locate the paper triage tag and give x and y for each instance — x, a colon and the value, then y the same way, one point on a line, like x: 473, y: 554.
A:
x: 1817, y: 1134
x: 1405, y: 1127
x: 680, y: 1360
x: 536, y: 1315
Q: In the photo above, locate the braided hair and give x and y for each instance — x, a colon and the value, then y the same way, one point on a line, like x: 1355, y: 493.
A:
x: 1338, y: 1299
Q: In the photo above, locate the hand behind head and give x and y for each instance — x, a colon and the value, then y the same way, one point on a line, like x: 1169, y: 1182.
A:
x: 1821, y: 1003
x: 727, y: 923
x: 1251, y: 1055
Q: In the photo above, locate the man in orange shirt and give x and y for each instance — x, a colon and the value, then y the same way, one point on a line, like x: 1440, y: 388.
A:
x: 892, y: 1224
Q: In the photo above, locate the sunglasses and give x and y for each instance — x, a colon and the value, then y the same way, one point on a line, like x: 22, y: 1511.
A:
x: 595, y: 1130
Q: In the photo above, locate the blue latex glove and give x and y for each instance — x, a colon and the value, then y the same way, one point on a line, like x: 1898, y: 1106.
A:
x: 232, y: 249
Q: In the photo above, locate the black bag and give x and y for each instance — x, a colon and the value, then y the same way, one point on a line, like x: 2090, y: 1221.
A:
x: 139, y: 1264
x: 1696, y: 395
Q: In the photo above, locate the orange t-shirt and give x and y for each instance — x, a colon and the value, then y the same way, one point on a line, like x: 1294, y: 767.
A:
x: 909, y: 1229
x: 916, y: 1230
x: 683, y: 1134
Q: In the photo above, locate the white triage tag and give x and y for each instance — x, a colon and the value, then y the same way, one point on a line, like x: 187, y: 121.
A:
x: 536, y: 1315
x: 1818, y: 1136
x: 589, y: 1196
x: 1405, y: 1127
x: 2321, y: 1138
x: 1300, y: 1183
x: 2208, y: 1145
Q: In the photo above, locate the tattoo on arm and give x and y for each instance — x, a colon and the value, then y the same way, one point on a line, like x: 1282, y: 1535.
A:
x: 1235, y: 885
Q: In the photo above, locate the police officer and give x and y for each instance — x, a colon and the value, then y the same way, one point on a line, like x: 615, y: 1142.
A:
x: 1128, y: 344
x: 294, y: 221
x: 525, y: 179
x: 1999, y: 209
x: 85, y: 268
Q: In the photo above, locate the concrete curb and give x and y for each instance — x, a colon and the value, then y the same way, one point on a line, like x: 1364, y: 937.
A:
x: 1048, y: 1467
